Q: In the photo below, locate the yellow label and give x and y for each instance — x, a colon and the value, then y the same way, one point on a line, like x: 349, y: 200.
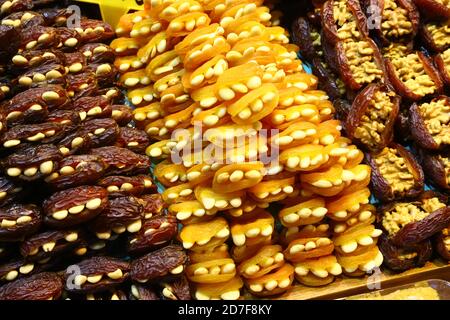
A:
x: 112, y: 10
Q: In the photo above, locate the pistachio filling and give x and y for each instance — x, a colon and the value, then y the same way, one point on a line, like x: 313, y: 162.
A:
x: 440, y: 33
x: 373, y: 122
x: 394, y: 169
x: 404, y: 213
x: 436, y: 116
x: 410, y: 70
x: 395, y: 22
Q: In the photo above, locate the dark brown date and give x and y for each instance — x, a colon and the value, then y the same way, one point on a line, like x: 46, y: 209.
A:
x: 24, y: 19
x: 32, y: 162
x: 75, y: 142
x: 119, y: 186
x: 97, y: 274
x: 155, y: 232
x: 442, y: 243
x: 8, y: 191
x: 55, y: 16
x: 75, y: 62
x: 123, y: 161
x: 77, y: 170
x: 400, y: 258
x: 395, y: 173
x: 98, y: 53
x: 49, y: 244
x: 38, y: 37
x: 65, y: 117
x: 8, y: 6
x: 41, y: 286
x: 113, y: 94
x: 134, y: 139
x: 33, y: 58
x: 154, y: 205
x: 33, y: 105
x: 104, y: 72
x: 19, y: 268
x: 92, y: 107
x: 123, y: 214
x: 81, y: 85
x: 42, y: 75
x: 168, y: 261
x: 94, y: 31
x: 437, y: 167
x: 429, y: 123
x: 139, y: 292
x: 18, y: 221
x: 69, y: 38
x: 107, y: 295
x: 177, y: 289
x: 372, y: 117
x: 442, y: 64
x: 434, y: 35
x: 47, y: 132
x: 10, y: 42
x: 74, y: 206
x: 102, y: 132
x: 433, y: 8
x: 122, y: 114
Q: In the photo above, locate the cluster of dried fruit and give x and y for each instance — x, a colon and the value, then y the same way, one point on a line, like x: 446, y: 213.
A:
x: 75, y: 186
x: 228, y: 66
x: 364, y: 52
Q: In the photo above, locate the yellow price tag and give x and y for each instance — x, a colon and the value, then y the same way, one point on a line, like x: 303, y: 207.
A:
x: 112, y: 10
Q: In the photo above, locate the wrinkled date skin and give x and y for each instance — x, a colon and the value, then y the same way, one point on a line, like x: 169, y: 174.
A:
x: 108, y: 272
x: 177, y: 289
x: 155, y: 232
x: 419, y: 254
x: 41, y: 286
x: 92, y: 107
x: 49, y: 244
x: 433, y: 165
x: 66, y: 117
x: 158, y: 264
x: 153, y: 205
x: 119, y: 186
x: 29, y: 37
x: 90, y: 200
x: 81, y: 85
x: 18, y: 221
x: 10, y: 42
x: 123, y: 161
x: 122, y: 212
x: 114, y: 95
x: 359, y: 108
x: 55, y: 16
x: 33, y: 58
x: 77, y: 170
x: 102, y: 132
x: 433, y: 8
x: 8, y: 191
x: 104, y: 72
x: 139, y: 292
x: 31, y: 163
x: 15, y: 6
x: 75, y: 62
x: 98, y: 53
x: 122, y: 114
x: 32, y: 19
x: 134, y: 139
x: 95, y: 31
x: 382, y: 189
x: 441, y: 246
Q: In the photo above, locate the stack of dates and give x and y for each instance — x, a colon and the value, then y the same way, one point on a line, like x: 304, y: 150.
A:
x: 228, y: 67
x: 76, y: 197
x: 386, y: 65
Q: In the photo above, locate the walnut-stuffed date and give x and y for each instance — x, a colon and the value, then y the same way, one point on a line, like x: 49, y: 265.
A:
x: 437, y: 167
x: 18, y: 221
x: 41, y: 286
x: 32, y: 162
x: 395, y: 173
x: 442, y: 243
x: 97, y: 274
x: 94, y: 31
x: 434, y: 8
x: 47, y: 132
x: 74, y: 206
x: 404, y: 258
x: 119, y: 186
x: 123, y: 161
x: 168, y: 261
x: 372, y: 116
x: 34, y: 104
x: 123, y: 214
x: 77, y: 170
x: 134, y: 139
x: 49, y: 244
x: 177, y: 289
x: 410, y: 223
x: 413, y: 75
x: 430, y: 123
x: 435, y: 35
x: 81, y: 84
x: 140, y: 292
x: 155, y: 232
